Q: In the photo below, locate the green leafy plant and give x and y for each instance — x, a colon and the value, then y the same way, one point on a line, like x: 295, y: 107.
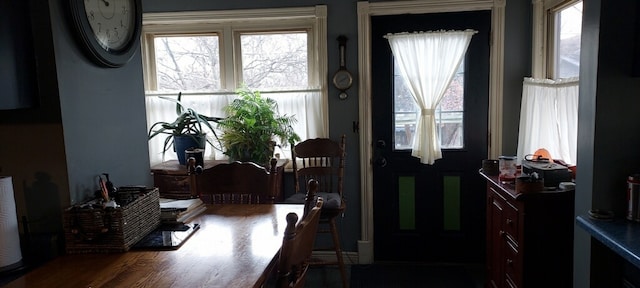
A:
x: 189, y: 122
x: 252, y: 126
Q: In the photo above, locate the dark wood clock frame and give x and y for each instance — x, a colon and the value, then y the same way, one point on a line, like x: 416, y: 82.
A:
x: 93, y: 49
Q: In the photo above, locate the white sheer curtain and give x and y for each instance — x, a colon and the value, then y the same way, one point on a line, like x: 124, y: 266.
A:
x: 307, y: 108
x: 428, y: 61
x: 305, y: 105
x: 549, y: 118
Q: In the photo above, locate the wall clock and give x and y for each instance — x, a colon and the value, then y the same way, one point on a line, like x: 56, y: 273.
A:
x: 109, y: 30
x: 342, y: 79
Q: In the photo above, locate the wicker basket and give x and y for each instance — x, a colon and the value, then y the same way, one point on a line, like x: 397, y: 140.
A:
x: 90, y: 228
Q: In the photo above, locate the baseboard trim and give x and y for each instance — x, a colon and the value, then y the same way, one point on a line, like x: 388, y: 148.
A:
x: 350, y: 258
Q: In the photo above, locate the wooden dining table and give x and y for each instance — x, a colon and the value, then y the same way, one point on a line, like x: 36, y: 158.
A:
x: 236, y: 246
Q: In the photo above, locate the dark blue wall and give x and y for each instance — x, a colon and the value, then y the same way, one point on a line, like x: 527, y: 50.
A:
x: 103, y: 113
x: 608, y: 137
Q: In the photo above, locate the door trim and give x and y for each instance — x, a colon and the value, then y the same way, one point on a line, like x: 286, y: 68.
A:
x: 365, y: 11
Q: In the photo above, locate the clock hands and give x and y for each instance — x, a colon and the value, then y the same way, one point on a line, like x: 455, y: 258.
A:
x: 106, y: 11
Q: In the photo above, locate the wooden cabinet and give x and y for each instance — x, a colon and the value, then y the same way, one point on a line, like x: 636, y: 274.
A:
x: 173, y: 181
x: 529, y: 237
x: 19, y: 79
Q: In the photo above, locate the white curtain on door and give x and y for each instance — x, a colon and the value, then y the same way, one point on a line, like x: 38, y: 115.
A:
x: 549, y: 118
x: 428, y: 62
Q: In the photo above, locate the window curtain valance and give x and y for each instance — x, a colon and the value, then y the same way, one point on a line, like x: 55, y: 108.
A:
x: 428, y: 62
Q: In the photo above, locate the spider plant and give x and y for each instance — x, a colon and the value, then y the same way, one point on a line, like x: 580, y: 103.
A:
x: 188, y: 123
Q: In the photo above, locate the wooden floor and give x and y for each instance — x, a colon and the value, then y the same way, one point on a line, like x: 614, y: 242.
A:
x: 319, y: 277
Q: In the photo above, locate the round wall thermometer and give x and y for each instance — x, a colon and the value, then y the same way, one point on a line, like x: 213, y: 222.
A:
x: 342, y: 79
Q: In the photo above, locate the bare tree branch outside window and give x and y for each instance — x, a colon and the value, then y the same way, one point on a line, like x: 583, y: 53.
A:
x: 187, y: 63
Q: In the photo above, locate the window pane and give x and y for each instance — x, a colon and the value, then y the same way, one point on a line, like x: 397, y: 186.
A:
x: 449, y: 113
x: 568, y: 29
x: 405, y: 111
x: 275, y: 60
x: 187, y: 63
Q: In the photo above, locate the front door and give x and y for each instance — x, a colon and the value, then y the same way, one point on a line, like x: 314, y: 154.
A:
x: 431, y: 213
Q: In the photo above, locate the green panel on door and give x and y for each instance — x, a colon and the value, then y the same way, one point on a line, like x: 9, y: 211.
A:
x: 406, y: 201
x: 451, y: 203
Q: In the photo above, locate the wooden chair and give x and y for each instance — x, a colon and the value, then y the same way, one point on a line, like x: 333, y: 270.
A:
x: 297, y: 244
x: 323, y: 159
x: 241, y: 183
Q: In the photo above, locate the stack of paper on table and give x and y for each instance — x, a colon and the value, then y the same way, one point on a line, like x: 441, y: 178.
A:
x: 180, y: 210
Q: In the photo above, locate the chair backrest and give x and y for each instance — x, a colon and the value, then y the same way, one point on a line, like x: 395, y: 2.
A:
x: 297, y: 246
x: 321, y: 159
x: 241, y: 183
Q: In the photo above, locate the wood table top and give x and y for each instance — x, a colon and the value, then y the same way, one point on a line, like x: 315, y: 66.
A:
x: 236, y: 246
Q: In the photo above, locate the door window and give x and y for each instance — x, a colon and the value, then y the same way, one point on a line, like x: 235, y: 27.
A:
x: 449, y: 113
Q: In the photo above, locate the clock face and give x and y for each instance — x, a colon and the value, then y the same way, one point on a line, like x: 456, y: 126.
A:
x: 342, y: 79
x: 109, y: 30
x: 112, y: 22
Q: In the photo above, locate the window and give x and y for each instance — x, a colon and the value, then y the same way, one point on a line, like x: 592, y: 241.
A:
x: 549, y: 111
x: 207, y: 55
x: 449, y: 114
x: 566, y: 25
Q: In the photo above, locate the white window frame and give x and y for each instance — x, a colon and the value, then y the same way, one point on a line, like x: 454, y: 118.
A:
x: 228, y: 25
x: 554, y: 126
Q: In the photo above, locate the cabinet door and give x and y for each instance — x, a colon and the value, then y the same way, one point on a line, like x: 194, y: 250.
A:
x: 495, y: 239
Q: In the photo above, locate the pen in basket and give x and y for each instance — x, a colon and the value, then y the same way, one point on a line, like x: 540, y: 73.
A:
x: 105, y: 191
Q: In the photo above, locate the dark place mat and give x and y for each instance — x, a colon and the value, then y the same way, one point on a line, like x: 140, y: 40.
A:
x: 410, y: 275
x: 167, y: 237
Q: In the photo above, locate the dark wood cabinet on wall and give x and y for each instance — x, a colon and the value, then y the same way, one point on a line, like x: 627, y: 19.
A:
x: 529, y: 237
x: 17, y: 57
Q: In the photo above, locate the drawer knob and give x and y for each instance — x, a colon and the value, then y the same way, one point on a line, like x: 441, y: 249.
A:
x: 509, y: 222
x: 509, y: 262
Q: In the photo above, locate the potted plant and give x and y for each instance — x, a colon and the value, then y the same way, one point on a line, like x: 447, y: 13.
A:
x: 252, y: 126
x: 187, y: 131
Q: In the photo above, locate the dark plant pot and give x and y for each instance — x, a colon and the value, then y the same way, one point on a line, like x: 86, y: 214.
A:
x: 184, y: 142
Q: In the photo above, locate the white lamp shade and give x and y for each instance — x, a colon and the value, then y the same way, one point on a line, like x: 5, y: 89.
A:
x: 10, y: 252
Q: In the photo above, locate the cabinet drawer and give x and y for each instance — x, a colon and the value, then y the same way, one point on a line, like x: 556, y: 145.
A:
x: 511, y: 222
x: 511, y: 265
